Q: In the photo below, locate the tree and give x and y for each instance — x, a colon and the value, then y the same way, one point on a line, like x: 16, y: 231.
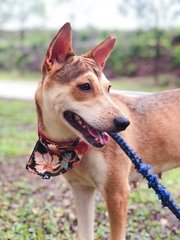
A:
x: 22, y: 12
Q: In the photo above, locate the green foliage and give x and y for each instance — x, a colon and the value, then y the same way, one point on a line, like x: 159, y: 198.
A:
x: 131, y: 69
x: 134, y: 51
x: 176, y: 57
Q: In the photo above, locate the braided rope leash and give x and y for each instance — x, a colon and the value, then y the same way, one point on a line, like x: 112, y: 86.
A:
x: 152, y: 179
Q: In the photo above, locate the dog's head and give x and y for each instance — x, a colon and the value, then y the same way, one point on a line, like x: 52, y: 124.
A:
x: 73, y: 96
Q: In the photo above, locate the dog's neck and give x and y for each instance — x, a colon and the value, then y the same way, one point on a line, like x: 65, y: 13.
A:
x: 56, y: 133
x: 43, y: 135
x: 55, y: 130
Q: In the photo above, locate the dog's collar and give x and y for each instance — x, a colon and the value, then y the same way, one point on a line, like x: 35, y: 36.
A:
x: 50, y: 158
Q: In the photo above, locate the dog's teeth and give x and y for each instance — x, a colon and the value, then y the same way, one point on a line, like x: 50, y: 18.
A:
x: 77, y: 117
x: 80, y: 121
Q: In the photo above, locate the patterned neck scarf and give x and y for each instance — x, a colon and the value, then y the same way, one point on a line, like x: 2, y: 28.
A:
x: 52, y: 158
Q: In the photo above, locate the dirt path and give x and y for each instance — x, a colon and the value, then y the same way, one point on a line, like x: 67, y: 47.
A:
x: 22, y: 90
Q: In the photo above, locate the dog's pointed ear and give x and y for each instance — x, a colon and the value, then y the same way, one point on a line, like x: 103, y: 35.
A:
x: 60, y: 47
x: 101, y: 53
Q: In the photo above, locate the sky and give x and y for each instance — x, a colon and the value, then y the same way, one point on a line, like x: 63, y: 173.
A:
x: 96, y: 13
x: 102, y: 14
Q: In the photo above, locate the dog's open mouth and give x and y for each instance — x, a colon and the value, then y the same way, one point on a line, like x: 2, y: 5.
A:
x: 92, y: 135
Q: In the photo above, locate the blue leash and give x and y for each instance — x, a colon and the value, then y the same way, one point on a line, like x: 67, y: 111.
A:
x: 152, y: 179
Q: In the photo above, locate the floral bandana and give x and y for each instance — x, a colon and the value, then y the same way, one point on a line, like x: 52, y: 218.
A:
x: 50, y: 159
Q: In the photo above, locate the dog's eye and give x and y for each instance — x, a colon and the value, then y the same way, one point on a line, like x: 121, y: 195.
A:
x: 109, y: 88
x: 84, y: 87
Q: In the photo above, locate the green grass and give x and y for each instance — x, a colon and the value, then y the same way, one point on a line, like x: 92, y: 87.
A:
x: 146, y: 83
x: 17, y: 126
x: 33, y: 209
x: 16, y: 75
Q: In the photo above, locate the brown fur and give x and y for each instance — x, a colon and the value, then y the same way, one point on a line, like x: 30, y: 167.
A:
x: 153, y: 132
x: 74, y: 68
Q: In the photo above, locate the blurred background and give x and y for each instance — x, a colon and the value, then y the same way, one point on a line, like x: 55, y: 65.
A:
x: 146, y: 58
x: 148, y: 34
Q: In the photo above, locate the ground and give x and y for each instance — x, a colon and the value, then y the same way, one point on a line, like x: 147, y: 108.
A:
x: 35, y: 209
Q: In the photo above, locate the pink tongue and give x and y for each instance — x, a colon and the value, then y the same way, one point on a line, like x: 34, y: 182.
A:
x: 102, y: 137
x: 92, y: 131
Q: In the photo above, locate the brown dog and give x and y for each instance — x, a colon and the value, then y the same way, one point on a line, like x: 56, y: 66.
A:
x: 73, y: 100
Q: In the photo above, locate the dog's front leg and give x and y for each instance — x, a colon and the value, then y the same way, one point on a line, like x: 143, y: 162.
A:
x: 117, y: 202
x: 84, y: 201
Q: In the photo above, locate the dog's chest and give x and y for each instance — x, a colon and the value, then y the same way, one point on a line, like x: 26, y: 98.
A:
x: 92, y: 170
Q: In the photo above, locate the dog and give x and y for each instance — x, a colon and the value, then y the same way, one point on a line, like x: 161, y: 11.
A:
x: 74, y: 101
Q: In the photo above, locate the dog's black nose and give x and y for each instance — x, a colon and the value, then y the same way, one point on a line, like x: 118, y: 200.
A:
x: 121, y: 123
